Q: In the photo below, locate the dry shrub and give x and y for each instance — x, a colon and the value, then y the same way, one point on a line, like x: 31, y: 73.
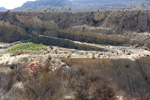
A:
x: 80, y: 87
x: 12, y: 75
x: 9, y: 76
x: 143, y: 95
x: 44, y: 86
x: 102, y: 90
x: 6, y: 82
x: 85, y: 89
x: 17, y: 94
x: 127, y: 97
x: 89, y: 85
x: 85, y: 84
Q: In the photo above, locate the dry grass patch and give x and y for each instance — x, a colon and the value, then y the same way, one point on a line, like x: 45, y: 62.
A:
x: 143, y: 95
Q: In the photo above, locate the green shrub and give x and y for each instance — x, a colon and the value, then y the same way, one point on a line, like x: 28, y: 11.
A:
x: 26, y: 46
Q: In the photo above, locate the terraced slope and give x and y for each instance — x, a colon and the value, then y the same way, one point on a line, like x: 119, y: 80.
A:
x: 121, y: 26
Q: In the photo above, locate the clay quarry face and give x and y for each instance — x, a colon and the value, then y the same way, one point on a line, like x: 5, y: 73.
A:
x: 92, y: 55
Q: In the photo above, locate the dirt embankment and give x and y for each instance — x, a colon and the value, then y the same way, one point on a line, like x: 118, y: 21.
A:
x: 130, y: 76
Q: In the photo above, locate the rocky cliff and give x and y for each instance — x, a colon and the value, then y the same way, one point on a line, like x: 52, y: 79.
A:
x: 121, y: 26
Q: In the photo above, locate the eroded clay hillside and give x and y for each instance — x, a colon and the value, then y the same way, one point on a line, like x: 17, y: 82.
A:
x: 116, y: 44
x: 121, y: 26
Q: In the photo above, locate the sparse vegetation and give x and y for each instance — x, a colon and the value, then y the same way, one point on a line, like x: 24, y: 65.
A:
x: 89, y: 85
x: 78, y: 82
x: 82, y: 81
x: 43, y: 86
x: 26, y: 46
x: 83, y: 28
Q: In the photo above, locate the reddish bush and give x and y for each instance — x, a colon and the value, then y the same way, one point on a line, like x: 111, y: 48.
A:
x: 34, y: 67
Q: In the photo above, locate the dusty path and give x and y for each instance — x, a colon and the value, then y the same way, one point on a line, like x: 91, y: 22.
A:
x: 7, y: 45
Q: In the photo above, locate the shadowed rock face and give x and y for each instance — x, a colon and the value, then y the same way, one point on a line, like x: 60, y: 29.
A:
x: 10, y: 33
x: 130, y: 24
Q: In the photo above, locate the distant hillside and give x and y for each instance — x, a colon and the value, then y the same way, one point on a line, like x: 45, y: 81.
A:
x: 2, y: 9
x: 41, y: 5
x: 82, y: 5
